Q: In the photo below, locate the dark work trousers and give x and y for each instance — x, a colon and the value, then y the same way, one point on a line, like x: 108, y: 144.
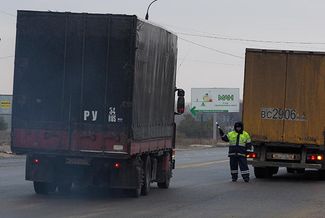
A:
x: 242, y: 161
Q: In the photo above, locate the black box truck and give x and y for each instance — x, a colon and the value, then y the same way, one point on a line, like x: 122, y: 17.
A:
x: 94, y: 101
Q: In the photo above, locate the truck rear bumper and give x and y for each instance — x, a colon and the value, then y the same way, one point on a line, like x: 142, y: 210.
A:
x: 283, y: 164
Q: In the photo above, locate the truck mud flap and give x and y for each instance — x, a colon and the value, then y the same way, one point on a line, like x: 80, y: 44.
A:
x: 128, y: 176
x: 39, y: 169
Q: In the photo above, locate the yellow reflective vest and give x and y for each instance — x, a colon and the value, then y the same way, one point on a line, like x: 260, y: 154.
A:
x: 243, y: 139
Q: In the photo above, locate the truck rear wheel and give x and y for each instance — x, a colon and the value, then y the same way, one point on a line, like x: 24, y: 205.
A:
x: 44, y: 188
x: 259, y: 172
x: 147, y: 176
x: 296, y: 170
x: 165, y: 184
x: 274, y: 170
x: 265, y: 172
x: 167, y: 174
x: 136, y: 192
x: 321, y: 174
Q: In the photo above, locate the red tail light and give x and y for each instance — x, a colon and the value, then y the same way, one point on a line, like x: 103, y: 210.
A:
x: 117, y: 165
x: 251, y: 155
x: 36, y: 161
x: 315, y: 157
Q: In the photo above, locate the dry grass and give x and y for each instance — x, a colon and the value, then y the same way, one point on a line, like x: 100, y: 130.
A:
x: 4, y: 141
x: 182, y: 142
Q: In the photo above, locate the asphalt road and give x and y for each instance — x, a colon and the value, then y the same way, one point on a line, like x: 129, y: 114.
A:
x: 201, y: 187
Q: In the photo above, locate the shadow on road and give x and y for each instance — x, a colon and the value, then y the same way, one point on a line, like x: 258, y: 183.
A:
x: 93, y: 194
x: 308, y: 176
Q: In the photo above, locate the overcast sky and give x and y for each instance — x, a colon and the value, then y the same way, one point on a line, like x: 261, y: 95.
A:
x: 198, y: 67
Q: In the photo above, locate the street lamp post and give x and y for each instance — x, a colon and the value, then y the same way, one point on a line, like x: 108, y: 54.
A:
x: 147, y: 14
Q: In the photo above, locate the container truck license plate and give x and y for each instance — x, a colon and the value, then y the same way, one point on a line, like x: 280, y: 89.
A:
x: 282, y: 156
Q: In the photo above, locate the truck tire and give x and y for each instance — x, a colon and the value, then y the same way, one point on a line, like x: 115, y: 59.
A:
x: 43, y: 188
x: 265, y: 172
x: 136, y: 192
x: 296, y: 170
x: 321, y: 174
x: 290, y: 170
x: 166, y: 182
x: 259, y: 172
x: 147, y: 176
x: 274, y: 170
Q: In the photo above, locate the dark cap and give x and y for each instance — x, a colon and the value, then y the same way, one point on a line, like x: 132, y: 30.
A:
x: 239, y: 124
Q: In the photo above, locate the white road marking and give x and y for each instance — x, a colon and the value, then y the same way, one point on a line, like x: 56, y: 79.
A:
x: 202, y: 164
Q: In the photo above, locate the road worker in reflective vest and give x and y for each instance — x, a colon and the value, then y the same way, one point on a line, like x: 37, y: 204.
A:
x: 239, y: 142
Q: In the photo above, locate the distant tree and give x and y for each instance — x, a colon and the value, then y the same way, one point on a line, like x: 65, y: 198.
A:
x: 3, y: 124
x: 192, y: 128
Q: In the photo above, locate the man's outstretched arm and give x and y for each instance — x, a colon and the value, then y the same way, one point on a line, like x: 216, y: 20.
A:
x: 223, y: 136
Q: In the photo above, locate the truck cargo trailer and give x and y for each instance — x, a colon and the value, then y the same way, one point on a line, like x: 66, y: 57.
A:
x: 94, y: 101
x: 284, y: 104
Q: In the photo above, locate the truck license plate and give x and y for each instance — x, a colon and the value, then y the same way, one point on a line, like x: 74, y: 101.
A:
x: 77, y: 161
x: 282, y: 156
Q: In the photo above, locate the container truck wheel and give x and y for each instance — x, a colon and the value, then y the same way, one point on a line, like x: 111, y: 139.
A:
x: 274, y: 170
x: 296, y: 170
x: 44, y: 188
x: 265, y: 172
x: 321, y: 174
x: 259, y: 172
x: 147, y: 176
x: 290, y: 170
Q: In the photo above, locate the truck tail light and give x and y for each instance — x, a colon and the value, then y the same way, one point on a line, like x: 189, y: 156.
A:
x: 117, y: 165
x: 36, y: 161
x: 251, y: 155
x: 315, y: 157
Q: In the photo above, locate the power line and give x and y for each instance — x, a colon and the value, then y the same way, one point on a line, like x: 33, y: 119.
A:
x: 251, y: 40
x: 193, y: 30
x: 6, y: 13
x: 211, y: 62
x: 6, y: 57
x: 212, y: 49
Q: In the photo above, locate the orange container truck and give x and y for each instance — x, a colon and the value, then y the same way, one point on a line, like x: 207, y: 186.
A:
x: 284, y: 110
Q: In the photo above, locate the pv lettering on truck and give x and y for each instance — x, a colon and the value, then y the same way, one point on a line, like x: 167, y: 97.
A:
x: 90, y: 115
x: 281, y: 114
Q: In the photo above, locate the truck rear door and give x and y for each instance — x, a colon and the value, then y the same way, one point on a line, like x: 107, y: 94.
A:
x: 305, y: 99
x: 265, y: 79
x: 72, y: 82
